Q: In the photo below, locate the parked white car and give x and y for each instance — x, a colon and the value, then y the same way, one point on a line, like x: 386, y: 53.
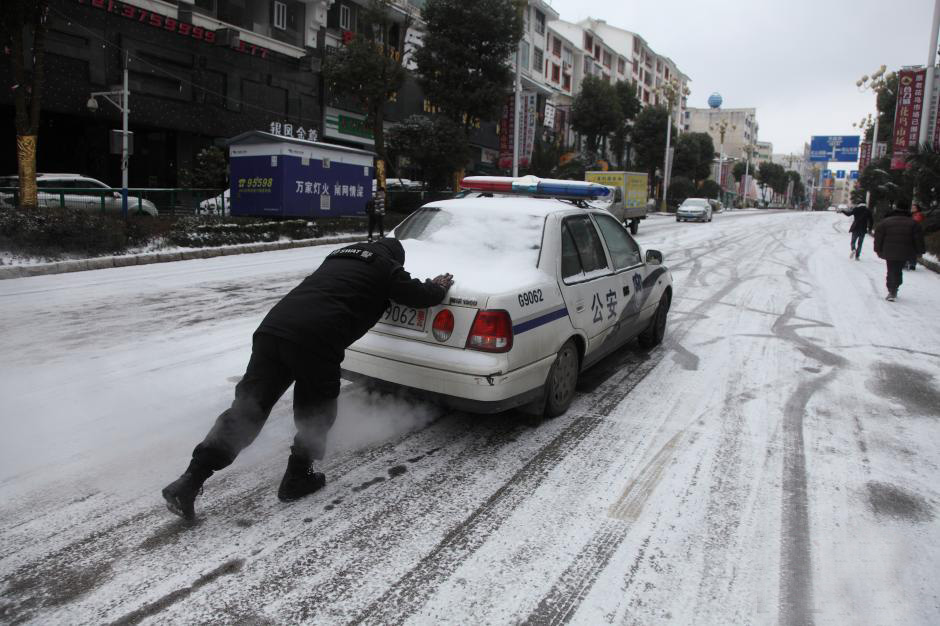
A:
x: 85, y: 194
x: 217, y: 204
x: 543, y: 289
x: 694, y: 209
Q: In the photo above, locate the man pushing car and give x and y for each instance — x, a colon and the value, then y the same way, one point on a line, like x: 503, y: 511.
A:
x: 302, y: 341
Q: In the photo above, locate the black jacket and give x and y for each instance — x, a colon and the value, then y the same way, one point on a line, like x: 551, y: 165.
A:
x: 899, y: 238
x: 862, y: 221
x: 346, y: 296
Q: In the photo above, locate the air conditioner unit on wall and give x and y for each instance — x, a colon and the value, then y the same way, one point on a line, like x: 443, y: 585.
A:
x: 228, y: 37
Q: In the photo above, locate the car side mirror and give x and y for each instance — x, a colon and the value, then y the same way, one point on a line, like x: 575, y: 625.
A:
x: 654, y: 257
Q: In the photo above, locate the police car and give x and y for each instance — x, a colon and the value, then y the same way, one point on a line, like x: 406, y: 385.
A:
x: 545, y: 286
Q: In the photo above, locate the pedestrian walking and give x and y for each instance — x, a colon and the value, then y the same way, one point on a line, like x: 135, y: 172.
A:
x: 898, y: 238
x: 862, y: 223
x: 918, y: 216
x: 375, y: 209
x: 302, y: 341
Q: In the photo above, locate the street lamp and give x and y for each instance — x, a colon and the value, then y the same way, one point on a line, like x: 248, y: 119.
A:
x: 122, y: 106
x: 721, y: 128
x: 671, y: 90
x: 877, y: 82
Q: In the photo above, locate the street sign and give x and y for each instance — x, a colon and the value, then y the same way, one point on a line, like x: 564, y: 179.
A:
x: 827, y: 174
x: 854, y: 175
x: 840, y: 174
x: 839, y: 148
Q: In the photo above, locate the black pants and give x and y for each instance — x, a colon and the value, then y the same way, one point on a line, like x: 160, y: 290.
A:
x: 376, y: 221
x: 275, y: 363
x: 895, y: 275
x: 857, y: 240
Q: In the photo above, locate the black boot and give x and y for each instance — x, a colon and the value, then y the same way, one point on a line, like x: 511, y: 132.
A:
x: 180, y: 495
x: 299, y: 479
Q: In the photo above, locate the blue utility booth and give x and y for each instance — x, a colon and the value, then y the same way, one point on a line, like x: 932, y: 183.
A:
x: 272, y: 175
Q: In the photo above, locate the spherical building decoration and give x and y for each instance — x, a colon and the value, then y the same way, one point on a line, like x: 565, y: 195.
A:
x: 714, y: 100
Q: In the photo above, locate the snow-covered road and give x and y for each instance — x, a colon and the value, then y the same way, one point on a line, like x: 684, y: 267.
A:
x: 776, y: 461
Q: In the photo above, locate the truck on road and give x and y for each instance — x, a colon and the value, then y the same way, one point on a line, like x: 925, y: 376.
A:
x: 628, y: 202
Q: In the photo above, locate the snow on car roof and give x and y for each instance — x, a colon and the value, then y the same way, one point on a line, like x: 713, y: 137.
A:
x: 512, y: 204
x: 490, y: 245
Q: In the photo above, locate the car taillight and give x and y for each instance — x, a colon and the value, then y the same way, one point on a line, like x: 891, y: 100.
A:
x: 443, y: 325
x: 491, y: 332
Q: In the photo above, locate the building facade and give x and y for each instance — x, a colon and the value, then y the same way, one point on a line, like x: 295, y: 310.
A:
x: 740, y: 128
x: 198, y: 73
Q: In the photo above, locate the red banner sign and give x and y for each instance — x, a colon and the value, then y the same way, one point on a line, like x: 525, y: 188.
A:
x: 506, y: 134
x: 907, y: 115
x: 157, y: 20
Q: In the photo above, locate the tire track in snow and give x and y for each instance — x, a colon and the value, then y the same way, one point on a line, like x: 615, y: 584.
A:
x: 560, y: 603
x: 411, y: 591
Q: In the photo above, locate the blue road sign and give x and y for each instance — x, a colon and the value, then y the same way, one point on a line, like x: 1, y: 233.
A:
x: 840, y: 174
x: 827, y: 174
x: 838, y: 148
x: 854, y: 175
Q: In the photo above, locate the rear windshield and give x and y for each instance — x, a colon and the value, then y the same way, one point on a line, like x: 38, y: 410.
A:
x: 695, y: 202
x: 477, y: 231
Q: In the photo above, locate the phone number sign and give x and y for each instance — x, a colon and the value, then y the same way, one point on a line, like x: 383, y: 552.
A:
x: 163, y: 22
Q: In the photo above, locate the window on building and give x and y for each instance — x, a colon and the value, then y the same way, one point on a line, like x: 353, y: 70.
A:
x: 597, y: 51
x: 524, y: 54
x: 566, y: 82
x: 588, y: 42
x: 566, y: 56
x: 636, y: 66
x: 556, y: 46
x: 621, y: 65
x: 636, y: 44
x: 607, y: 59
x: 539, y: 22
x: 556, y: 73
x: 280, y: 15
x: 345, y: 17
x: 537, y: 60
x: 646, y: 96
x: 587, y: 65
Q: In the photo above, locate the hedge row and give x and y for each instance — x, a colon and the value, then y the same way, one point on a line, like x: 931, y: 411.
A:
x: 202, y: 232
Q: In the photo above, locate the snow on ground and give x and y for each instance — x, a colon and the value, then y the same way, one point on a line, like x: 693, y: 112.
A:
x: 775, y: 461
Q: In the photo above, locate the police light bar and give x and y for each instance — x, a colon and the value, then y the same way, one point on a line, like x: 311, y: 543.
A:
x: 534, y: 186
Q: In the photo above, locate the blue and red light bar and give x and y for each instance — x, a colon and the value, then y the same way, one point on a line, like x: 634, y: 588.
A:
x: 534, y: 186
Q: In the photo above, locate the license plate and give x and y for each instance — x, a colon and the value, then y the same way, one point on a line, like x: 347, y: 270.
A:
x: 405, y: 317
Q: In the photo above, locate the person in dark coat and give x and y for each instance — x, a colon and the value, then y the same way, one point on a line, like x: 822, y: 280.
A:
x: 898, y: 238
x: 302, y: 340
x: 862, y: 223
x: 375, y: 209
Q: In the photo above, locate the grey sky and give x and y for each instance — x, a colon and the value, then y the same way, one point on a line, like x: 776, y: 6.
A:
x: 796, y: 62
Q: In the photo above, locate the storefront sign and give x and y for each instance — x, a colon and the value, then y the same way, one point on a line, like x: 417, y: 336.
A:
x: 288, y: 130
x: 169, y: 24
x: 348, y: 126
x: 907, y: 115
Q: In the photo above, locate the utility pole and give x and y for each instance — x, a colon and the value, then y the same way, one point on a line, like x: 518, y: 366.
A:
x: 517, y: 97
x: 125, y: 98
x: 928, y: 108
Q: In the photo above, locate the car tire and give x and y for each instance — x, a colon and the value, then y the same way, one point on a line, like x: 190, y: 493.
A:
x: 634, y: 226
x: 654, y: 333
x: 562, y: 379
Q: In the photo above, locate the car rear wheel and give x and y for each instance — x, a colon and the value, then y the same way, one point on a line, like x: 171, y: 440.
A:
x: 562, y: 379
x: 654, y: 333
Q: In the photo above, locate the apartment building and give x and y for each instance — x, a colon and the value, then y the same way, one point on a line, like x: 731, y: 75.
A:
x: 740, y: 128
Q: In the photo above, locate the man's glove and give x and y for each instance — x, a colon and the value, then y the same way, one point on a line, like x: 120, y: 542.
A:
x: 443, y: 280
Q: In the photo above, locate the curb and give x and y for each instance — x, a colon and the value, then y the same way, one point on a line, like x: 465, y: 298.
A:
x: 105, y: 262
x: 930, y: 265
